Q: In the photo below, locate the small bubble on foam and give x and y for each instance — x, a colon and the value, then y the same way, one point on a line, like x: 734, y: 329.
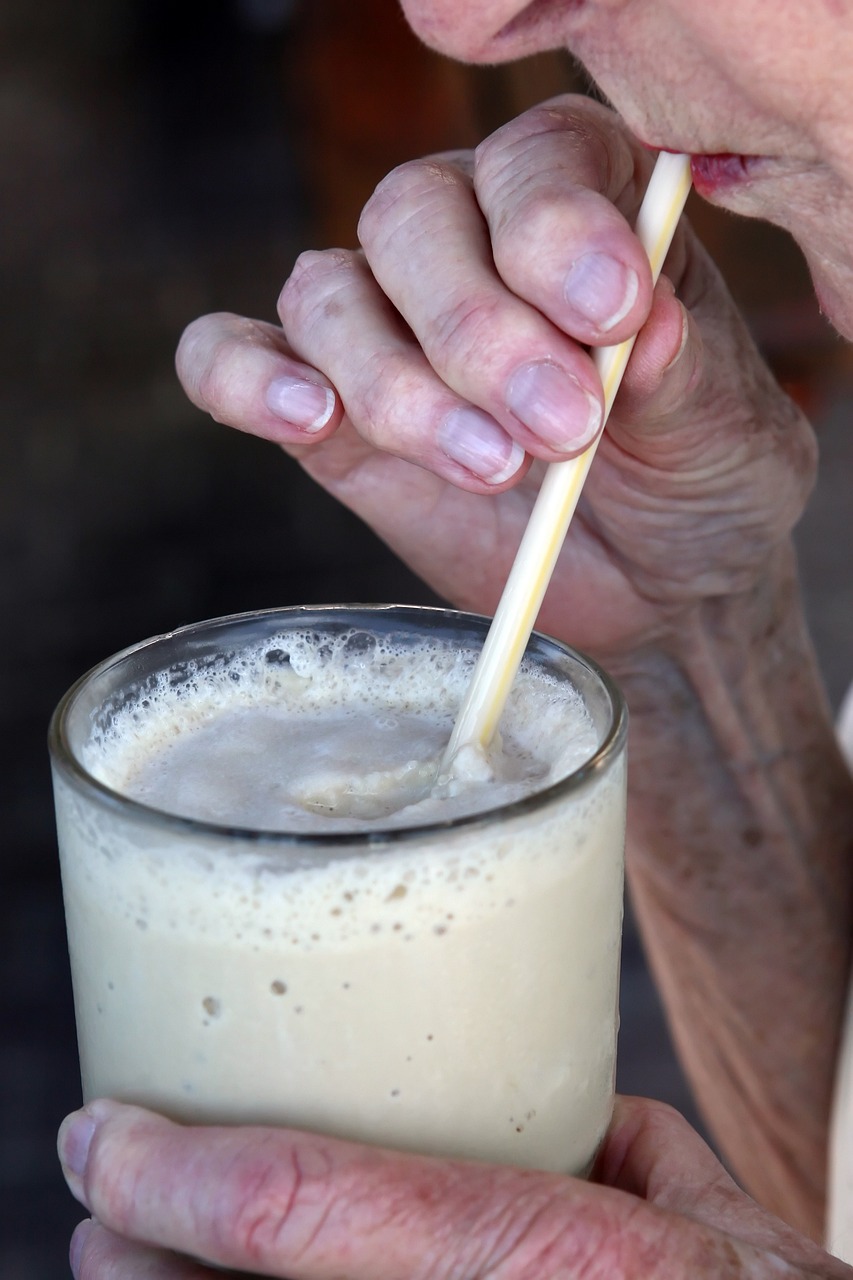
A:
x: 277, y: 657
x: 211, y: 1006
x: 360, y: 644
x: 278, y: 988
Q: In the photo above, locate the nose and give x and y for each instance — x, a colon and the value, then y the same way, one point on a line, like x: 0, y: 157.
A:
x: 463, y: 29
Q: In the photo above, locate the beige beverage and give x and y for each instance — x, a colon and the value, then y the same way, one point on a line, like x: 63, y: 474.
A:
x: 275, y: 915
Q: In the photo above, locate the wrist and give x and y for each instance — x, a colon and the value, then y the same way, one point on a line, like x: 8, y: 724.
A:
x: 739, y: 857
x: 744, y: 664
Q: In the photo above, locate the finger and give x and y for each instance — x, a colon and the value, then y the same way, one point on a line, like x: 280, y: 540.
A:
x: 428, y: 247
x: 652, y: 1152
x: 311, y: 1208
x: 672, y: 389
x: 338, y: 319
x: 99, y: 1254
x: 243, y: 373
x: 664, y: 367
x: 549, y: 184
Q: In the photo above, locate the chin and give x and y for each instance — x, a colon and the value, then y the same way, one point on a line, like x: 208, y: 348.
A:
x: 836, y: 304
x: 832, y: 277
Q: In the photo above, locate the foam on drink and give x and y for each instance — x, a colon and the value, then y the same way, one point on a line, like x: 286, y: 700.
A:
x: 347, y: 733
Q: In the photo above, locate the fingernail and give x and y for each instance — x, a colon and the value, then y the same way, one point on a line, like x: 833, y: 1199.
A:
x: 476, y: 442
x: 554, y: 406
x: 78, y: 1242
x: 303, y: 404
x: 75, y: 1139
x: 601, y: 289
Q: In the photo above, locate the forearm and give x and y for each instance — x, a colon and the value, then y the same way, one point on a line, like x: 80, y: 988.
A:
x: 740, y: 862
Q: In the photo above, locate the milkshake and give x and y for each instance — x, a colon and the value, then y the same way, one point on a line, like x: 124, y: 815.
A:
x: 279, y: 912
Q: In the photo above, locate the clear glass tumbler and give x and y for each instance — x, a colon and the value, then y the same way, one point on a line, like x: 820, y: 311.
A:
x: 447, y: 988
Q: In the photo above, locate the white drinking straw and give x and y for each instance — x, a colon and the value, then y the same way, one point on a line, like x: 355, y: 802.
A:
x: 558, y: 496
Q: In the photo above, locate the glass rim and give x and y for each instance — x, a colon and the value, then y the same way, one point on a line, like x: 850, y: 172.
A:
x: 65, y: 760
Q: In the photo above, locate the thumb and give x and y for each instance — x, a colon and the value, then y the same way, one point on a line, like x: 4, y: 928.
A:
x: 282, y: 1203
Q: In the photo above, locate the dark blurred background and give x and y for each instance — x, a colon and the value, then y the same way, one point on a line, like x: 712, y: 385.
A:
x: 162, y: 159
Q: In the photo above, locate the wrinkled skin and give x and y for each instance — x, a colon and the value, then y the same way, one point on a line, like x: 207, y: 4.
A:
x: 765, y: 80
x: 699, y: 477
x: 424, y: 380
x: 279, y: 1203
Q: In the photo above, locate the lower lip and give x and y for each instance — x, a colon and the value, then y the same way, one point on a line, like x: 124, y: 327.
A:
x: 716, y: 173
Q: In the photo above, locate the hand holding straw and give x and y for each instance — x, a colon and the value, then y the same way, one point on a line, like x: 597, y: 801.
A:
x: 558, y: 496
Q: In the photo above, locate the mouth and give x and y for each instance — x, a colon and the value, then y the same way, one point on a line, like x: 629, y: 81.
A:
x: 723, y: 171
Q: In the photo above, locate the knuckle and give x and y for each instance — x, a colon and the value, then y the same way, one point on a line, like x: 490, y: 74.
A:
x: 804, y: 450
x: 521, y: 226
x: 211, y: 359
x: 575, y: 141
x: 404, y: 194
x: 465, y: 331
x: 547, y: 1240
x: 388, y: 392
x: 281, y: 1206
x: 312, y: 288
x: 543, y: 118
x: 577, y: 136
x: 90, y: 1259
x: 218, y: 381
x: 197, y: 349
x: 115, y: 1200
